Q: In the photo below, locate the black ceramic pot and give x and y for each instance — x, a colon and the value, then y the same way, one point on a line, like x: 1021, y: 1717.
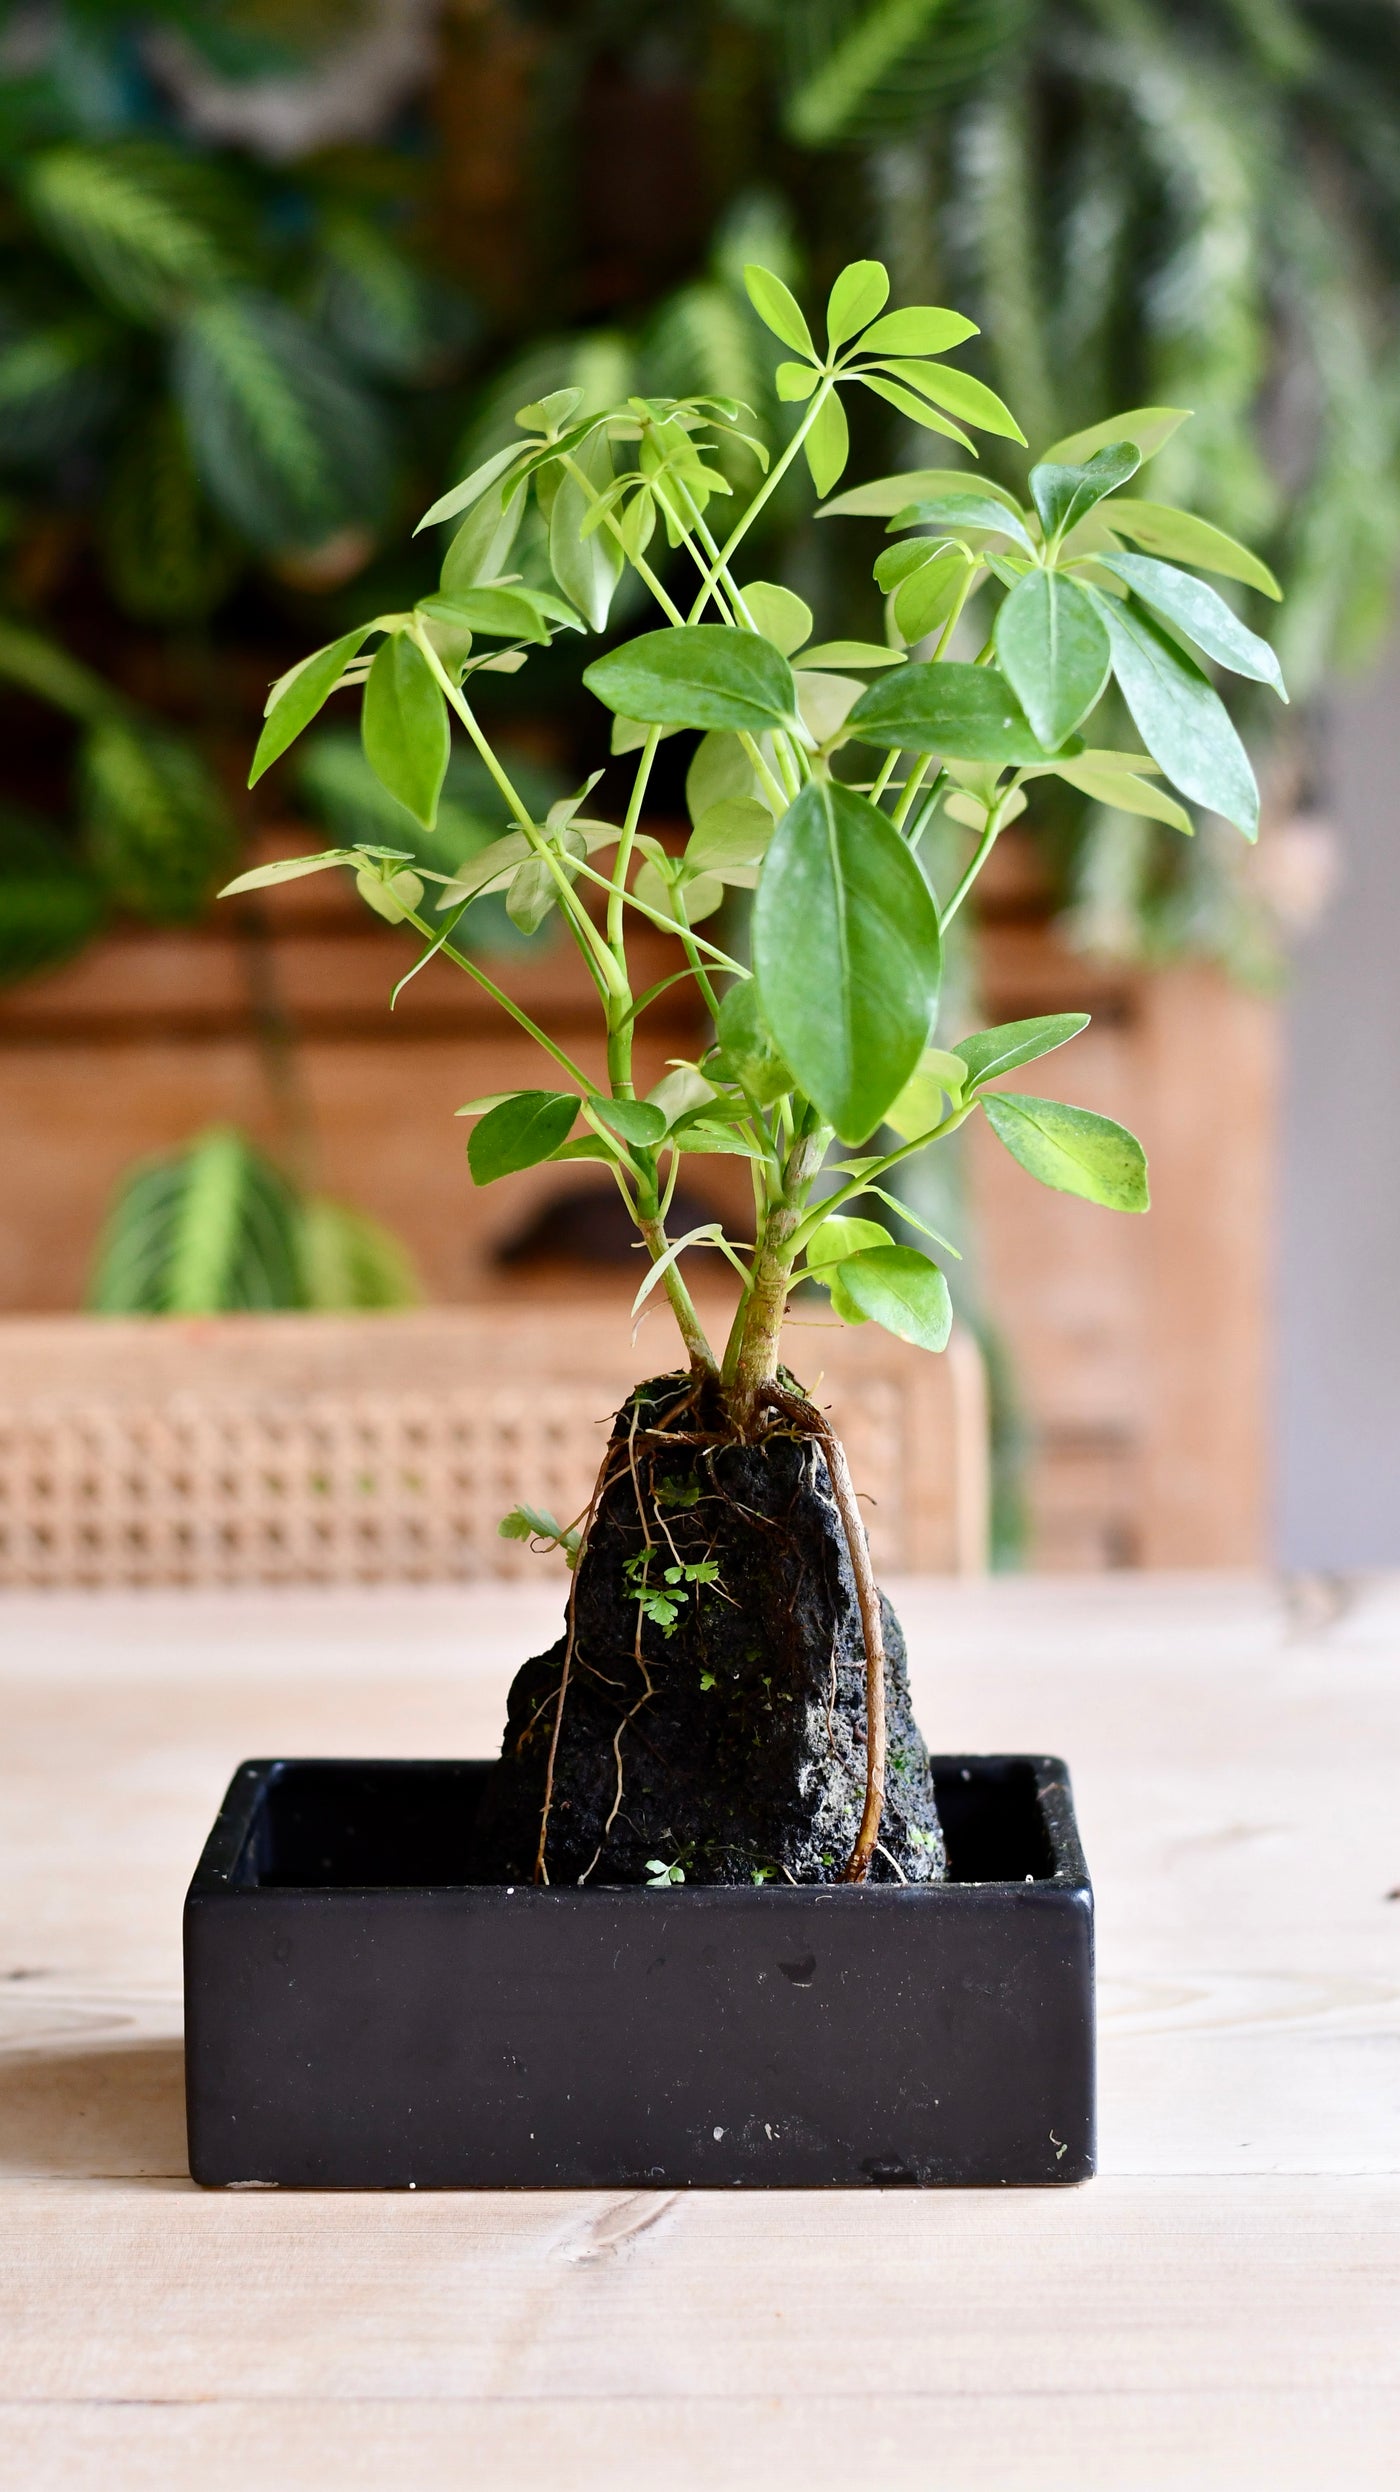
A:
x: 357, y: 2018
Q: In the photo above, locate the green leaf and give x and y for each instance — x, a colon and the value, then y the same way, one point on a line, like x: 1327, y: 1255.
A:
x: 913, y: 406
x: 861, y: 290
x: 968, y: 713
x: 587, y: 568
x: 481, y: 547
x: 846, y: 954
x: 886, y: 495
x: 779, y: 310
x: 295, y: 699
x: 1184, y: 724
x: 141, y: 220
x: 901, y: 1290
x: 1053, y: 651
x: 961, y: 394
x: 1199, y: 612
x: 697, y: 675
x: 862, y: 653
x: 549, y: 414
x: 404, y: 727
x: 461, y: 497
x: 1063, y: 495
x: 927, y: 593
x: 919, y: 1106
x: 286, y: 445
x: 972, y: 508
x: 1125, y: 792
x: 796, y: 381
x: 391, y: 899
x: 637, y: 1120
x: 729, y: 837
x: 286, y: 870
x: 1147, y: 428
x: 155, y: 820
x: 828, y: 445
x: 748, y: 1046
x: 501, y: 613
x: 988, y: 1054
x: 1071, y: 1149
x: 840, y: 1236
x: 782, y: 617
x: 921, y: 329
x: 1181, y: 536
x: 520, y: 1133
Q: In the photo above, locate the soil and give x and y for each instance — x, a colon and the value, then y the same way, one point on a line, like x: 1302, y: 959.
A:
x: 726, y: 1739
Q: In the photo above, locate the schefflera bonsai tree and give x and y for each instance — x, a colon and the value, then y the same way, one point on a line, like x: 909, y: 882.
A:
x: 728, y: 1700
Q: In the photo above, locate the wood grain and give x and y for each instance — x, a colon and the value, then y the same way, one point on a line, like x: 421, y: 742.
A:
x: 1221, y: 2309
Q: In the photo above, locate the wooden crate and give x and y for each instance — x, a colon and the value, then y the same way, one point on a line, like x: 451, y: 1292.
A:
x: 1139, y: 1346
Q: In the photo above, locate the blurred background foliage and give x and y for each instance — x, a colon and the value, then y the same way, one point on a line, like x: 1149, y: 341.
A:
x: 271, y: 271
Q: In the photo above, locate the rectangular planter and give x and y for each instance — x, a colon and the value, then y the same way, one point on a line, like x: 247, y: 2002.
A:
x: 358, y: 2018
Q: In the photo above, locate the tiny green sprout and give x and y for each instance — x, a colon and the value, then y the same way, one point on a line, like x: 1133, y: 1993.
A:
x: 537, y: 1525
x: 675, y: 1493
x: 762, y: 1877
x: 707, y: 1680
x: 665, y: 1873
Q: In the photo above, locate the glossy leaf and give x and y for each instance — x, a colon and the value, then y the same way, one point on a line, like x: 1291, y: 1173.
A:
x: 587, y: 568
x: 972, y: 508
x: 1183, y: 538
x: 403, y: 726
x: 846, y: 954
x: 861, y: 290
x: 921, y: 329
x: 961, y: 394
x: 781, y: 616
x: 748, y: 1045
x: 1053, y: 651
x: 295, y: 699
x: 883, y: 496
x: 828, y: 445
x: 779, y: 311
x: 967, y: 712
x: 988, y: 1054
x: 842, y: 1235
x: 697, y: 675
x: 1199, y: 612
x: 1071, y: 1149
x: 1063, y: 495
x: 637, y: 1120
x: 1147, y: 428
x: 901, y: 1290
x: 520, y: 1133
x: 1181, y: 720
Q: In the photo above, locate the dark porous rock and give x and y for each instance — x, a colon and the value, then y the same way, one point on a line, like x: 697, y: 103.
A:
x: 726, y: 1739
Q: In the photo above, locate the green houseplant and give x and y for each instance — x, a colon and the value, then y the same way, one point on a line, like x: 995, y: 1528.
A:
x: 728, y: 1702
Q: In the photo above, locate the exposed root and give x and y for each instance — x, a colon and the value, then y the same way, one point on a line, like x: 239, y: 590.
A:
x: 804, y: 1415
x: 540, y: 1872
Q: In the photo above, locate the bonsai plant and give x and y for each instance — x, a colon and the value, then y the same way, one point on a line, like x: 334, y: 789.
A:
x: 728, y: 1704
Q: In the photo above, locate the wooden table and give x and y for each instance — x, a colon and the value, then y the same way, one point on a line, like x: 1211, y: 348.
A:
x: 1221, y: 2308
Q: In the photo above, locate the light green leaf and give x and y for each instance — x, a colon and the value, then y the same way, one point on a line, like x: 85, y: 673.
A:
x: 286, y: 870
x: 404, y: 729
x: 719, y: 769
x: 1125, y: 792
x: 961, y: 394
x: 532, y: 894
x: 914, y: 407
x: 824, y: 701
x: 781, y: 616
x: 1198, y: 611
x: 697, y: 675
x: 732, y: 835
x: 1053, y: 651
x: 461, y: 497
x: 1064, y: 495
x: 779, y: 311
x: 587, y: 568
x: 901, y: 1290
x: 886, y: 495
x: 297, y: 696
x: 551, y: 413
x: 522, y: 1131
x: 974, y: 507
x: 840, y: 1236
x: 919, y: 1106
x: 921, y: 329
x: 1182, y: 537
x: 501, y: 613
x: 988, y: 1054
x: 1071, y: 1149
x: 748, y: 1046
x: 1147, y: 428
x: 637, y: 1120
x: 861, y: 290
x: 491, y: 869
x: 968, y: 712
x: 481, y: 547
x: 796, y: 381
x: 828, y: 445
x: 588, y: 1146
x: 391, y: 900
x: 852, y: 653
x: 1183, y: 723
x: 846, y: 954
x: 703, y: 894
x: 927, y: 594
x: 478, y: 1107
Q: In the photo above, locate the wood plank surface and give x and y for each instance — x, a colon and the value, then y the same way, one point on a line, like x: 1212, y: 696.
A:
x: 1221, y: 2308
